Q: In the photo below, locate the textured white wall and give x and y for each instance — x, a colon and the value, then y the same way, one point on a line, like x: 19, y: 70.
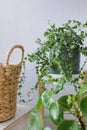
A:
x: 22, y: 21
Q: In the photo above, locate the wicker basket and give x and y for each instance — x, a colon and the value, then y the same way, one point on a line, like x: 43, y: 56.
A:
x: 9, y: 77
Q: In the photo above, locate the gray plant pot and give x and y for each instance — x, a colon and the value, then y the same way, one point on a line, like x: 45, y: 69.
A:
x: 75, y: 62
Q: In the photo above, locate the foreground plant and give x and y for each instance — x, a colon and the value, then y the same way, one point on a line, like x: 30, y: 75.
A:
x: 70, y: 36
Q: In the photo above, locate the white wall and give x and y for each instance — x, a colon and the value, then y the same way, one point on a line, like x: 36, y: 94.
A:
x: 22, y: 21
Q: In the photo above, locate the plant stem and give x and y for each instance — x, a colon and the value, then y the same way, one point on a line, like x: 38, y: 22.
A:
x: 82, y: 123
x: 79, y: 117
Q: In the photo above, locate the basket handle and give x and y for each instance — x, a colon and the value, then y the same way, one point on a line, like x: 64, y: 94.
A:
x: 11, y: 50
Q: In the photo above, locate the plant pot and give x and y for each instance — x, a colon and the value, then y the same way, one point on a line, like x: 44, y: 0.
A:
x: 74, y: 61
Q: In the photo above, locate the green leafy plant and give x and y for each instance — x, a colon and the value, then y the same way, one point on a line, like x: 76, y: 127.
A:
x: 21, y: 85
x: 68, y: 37
x: 61, y: 43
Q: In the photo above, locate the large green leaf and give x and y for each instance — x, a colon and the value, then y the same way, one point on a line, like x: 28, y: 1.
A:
x: 47, y: 98
x: 59, y: 85
x: 47, y: 128
x: 56, y: 113
x: 66, y: 101
x: 68, y: 125
x: 83, y: 106
x: 83, y: 89
x: 35, y: 121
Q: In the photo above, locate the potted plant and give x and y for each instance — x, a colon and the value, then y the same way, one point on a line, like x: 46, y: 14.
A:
x: 61, y: 49
x: 57, y: 51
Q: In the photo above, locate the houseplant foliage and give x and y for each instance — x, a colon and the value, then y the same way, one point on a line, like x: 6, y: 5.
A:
x: 69, y: 36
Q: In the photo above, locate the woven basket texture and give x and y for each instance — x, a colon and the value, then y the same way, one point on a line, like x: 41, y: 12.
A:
x: 9, y: 78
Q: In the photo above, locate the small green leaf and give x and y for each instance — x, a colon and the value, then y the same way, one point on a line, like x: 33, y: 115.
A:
x: 39, y: 103
x: 66, y: 101
x: 59, y: 85
x: 68, y: 125
x: 47, y: 98
x: 35, y: 121
x: 83, y: 89
x: 19, y: 93
x: 83, y: 106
